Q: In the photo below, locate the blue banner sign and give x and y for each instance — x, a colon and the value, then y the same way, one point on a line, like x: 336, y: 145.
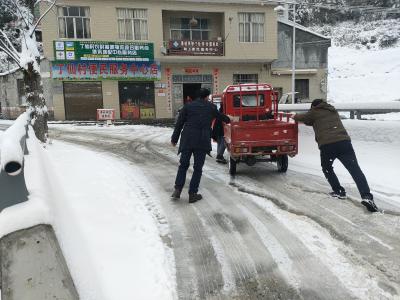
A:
x: 76, y: 70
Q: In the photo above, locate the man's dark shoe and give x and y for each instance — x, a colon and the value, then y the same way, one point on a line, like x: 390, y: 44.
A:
x: 221, y: 160
x: 370, y: 205
x: 194, y: 198
x: 176, y: 194
x: 340, y: 195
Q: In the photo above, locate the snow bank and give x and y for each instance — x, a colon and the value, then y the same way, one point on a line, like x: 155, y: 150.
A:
x: 11, y: 152
x: 109, y: 200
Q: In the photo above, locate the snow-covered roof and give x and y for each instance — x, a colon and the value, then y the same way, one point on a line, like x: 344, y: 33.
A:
x: 301, y: 27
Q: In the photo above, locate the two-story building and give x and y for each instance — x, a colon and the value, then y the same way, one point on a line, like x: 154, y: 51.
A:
x: 146, y: 58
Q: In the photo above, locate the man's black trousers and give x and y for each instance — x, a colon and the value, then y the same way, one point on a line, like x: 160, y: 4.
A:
x: 184, y: 162
x: 343, y: 151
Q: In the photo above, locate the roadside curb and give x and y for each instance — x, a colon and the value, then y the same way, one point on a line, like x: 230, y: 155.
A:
x: 32, y: 266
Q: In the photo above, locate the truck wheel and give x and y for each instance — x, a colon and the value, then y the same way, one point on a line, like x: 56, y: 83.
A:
x: 232, y: 166
x: 282, y: 163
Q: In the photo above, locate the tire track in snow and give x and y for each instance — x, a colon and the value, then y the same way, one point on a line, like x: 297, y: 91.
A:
x: 352, y: 277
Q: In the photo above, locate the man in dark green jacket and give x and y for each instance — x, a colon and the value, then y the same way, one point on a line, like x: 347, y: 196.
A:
x: 334, y: 142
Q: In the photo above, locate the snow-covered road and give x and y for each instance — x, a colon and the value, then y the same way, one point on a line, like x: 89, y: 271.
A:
x: 262, y: 234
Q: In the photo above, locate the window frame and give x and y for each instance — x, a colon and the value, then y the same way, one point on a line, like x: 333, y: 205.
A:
x: 245, y: 95
x: 83, y: 18
x: 248, y: 80
x: 191, y: 29
x: 132, y: 20
x: 248, y: 16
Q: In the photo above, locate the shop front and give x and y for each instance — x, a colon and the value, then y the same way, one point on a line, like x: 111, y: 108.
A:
x: 136, y: 100
x: 82, y: 99
x: 114, y: 75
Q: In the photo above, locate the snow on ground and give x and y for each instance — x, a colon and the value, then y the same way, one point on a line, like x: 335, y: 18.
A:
x: 121, y: 236
x: 376, y: 144
x: 363, y: 75
x: 111, y: 242
x: 383, y: 117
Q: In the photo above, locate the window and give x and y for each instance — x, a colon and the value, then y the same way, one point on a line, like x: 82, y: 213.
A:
x: 245, y: 78
x: 21, y: 91
x: 74, y: 22
x: 302, y: 86
x: 185, y: 29
x: 249, y: 100
x: 251, y: 27
x: 132, y: 24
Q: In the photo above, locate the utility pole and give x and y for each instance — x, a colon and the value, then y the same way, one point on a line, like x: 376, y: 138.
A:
x: 294, y: 53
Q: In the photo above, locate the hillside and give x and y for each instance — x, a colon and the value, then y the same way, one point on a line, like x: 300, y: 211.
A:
x: 363, y: 59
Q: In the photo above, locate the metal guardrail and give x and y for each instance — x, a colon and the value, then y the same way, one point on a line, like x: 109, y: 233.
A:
x: 13, y: 188
x: 355, y: 109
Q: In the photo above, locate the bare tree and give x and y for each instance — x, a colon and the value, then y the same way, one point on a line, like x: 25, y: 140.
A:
x: 23, y: 51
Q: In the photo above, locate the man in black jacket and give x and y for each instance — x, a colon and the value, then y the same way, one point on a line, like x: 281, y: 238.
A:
x: 194, y: 127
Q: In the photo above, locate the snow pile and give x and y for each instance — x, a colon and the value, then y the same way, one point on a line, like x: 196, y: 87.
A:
x: 99, y: 210
x: 363, y: 76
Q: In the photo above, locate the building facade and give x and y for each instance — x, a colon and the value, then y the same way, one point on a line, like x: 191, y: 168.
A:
x: 145, y: 59
x: 12, y: 95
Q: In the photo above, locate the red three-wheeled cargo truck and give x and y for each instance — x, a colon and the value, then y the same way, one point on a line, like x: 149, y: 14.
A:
x: 258, y: 131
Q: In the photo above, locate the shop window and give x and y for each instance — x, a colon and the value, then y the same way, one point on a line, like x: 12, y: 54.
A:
x: 193, y: 29
x: 74, y: 22
x: 245, y: 78
x: 251, y: 27
x: 136, y: 100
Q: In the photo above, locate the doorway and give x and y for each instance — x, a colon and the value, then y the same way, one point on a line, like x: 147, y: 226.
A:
x: 190, y: 91
x: 82, y: 99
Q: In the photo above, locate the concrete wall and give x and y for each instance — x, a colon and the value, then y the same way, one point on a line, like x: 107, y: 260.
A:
x: 311, y: 50
x: 9, y: 98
